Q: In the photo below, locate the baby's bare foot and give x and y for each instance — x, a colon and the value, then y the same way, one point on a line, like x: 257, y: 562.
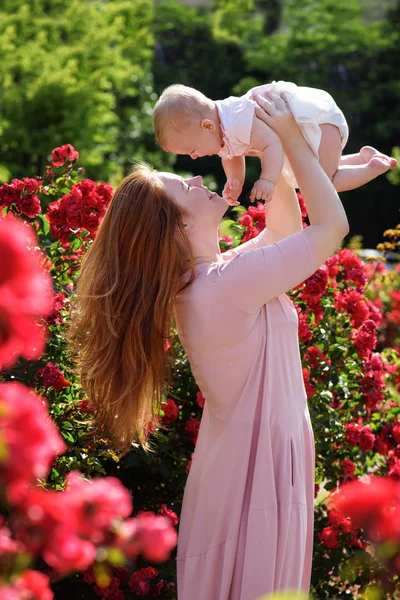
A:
x: 377, y: 160
x: 380, y: 164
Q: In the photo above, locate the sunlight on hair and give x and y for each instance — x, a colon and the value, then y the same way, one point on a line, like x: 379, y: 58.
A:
x: 122, y: 310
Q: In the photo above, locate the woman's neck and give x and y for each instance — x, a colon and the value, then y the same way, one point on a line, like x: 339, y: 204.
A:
x: 205, y: 249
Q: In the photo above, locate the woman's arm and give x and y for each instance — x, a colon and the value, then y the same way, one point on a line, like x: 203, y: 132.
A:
x: 328, y: 221
x: 254, y: 278
x: 282, y: 216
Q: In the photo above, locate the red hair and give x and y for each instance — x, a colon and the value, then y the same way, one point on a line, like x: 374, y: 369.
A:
x: 122, y: 311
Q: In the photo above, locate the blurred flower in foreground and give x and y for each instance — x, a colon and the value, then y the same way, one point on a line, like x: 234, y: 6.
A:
x: 26, y: 293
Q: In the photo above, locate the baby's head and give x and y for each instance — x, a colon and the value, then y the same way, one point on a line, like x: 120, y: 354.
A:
x: 186, y: 122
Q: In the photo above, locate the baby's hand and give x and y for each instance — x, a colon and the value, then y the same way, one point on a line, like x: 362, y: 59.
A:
x: 232, y: 191
x: 262, y: 190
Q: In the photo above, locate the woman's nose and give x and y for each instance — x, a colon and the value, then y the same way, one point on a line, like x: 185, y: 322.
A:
x: 198, y: 180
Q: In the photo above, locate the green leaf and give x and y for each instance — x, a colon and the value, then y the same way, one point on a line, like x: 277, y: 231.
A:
x: 77, y: 243
x: 330, y: 485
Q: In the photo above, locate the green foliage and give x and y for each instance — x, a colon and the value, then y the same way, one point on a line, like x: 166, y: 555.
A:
x: 188, y: 52
x: 75, y: 71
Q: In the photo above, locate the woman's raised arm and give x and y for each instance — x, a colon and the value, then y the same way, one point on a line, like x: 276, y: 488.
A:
x: 328, y: 221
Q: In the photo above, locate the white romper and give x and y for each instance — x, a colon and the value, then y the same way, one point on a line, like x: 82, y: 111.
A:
x: 310, y: 107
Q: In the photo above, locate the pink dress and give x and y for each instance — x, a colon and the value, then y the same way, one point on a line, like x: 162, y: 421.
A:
x: 246, y: 525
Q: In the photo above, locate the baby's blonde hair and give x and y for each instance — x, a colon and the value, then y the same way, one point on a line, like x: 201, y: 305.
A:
x: 176, y: 106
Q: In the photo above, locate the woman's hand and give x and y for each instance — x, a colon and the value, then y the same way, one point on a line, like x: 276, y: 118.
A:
x: 274, y: 110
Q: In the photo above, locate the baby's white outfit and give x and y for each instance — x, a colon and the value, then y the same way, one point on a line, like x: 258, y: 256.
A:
x: 310, y: 107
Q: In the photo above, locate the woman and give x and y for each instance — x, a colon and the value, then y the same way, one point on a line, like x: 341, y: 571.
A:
x: 246, y: 525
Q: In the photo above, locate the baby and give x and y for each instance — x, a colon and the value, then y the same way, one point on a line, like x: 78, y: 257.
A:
x: 187, y: 122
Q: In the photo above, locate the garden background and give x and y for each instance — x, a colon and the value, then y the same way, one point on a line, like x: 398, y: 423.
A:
x: 81, y: 78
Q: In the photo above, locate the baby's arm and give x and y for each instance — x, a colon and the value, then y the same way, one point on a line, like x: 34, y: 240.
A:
x: 268, y: 143
x: 234, y: 170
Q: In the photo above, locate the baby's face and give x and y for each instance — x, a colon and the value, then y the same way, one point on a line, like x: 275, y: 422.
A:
x: 198, y: 139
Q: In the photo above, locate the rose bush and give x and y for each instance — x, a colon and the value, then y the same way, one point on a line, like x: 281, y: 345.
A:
x: 351, y: 370
x: 84, y: 522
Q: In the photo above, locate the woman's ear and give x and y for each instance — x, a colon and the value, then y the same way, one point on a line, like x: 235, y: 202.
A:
x: 208, y: 125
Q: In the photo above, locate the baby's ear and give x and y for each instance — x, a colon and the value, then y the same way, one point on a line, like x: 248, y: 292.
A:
x: 208, y: 125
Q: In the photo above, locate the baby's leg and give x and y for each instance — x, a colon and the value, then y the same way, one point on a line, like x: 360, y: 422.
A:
x: 348, y: 173
x: 364, y: 156
x: 330, y: 149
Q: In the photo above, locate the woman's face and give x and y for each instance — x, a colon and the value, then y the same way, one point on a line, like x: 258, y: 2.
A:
x: 201, y: 209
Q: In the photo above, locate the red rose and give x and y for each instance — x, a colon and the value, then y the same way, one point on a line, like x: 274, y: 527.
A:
x: 67, y: 553
x: 52, y: 377
x: 381, y: 445
x: 257, y: 213
x: 366, y: 502
x: 139, y: 584
x: 305, y: 333
x: 353, y: 302
x: 31, y: 438
x: 348, y: 259
x: 352, y: 434
x: 396, y: 433
x: 85, y: 406
x: 367, y: 439
x: 200, y: 399
x: 245, y: 221
x: 302, y: 205
x: 27, y: 184
x: 358, y: 276
x: 340, y: 521
x: 171, y: 411
x: 33, y: 584
x: 106, y: 191
x: 348, y: 467
x: 375, y: 313
x: 332, y: 265
x: 310, y: 389
x: 192, y: 427
x: 149, y: 572
x: 58, y: 303
x: 365, y: 338
x: 329, y: 537
x: 315, y: 286
x: 394, y: 471
x: 166, y: 512
x: 97, y: 504
x: 251, y: 233
x: 26, y: 293
x: 8, y: 195
x: 29, y: 205
x: 156, y: 537
x: 64, y: 153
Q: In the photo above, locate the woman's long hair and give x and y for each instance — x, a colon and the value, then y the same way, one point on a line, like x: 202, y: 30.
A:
x: 122, y: 312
